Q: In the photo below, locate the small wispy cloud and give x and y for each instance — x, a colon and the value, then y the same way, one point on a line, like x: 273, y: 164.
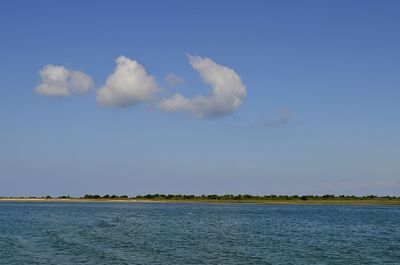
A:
x: 227, y: 91
x: 284, y: 118
x: 285, y: 115
x: 58, y: 81
x: 173, y: 80
x: 129, y: 84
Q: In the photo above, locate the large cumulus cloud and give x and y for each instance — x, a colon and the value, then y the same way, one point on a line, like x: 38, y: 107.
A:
x: 227, y: 91
x: 129, y: 84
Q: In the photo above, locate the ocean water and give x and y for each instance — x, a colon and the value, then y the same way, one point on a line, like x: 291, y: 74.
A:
x: 167, y: 233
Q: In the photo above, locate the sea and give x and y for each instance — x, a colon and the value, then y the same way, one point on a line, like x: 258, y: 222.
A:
x: 195, y: 233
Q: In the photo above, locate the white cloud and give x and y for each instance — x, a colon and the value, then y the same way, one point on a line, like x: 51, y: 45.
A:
x: 174, y: 80
x: 80, y: 82
x: 129, y: 84
x: 227, y: 91
x: 61, y: 82
x: 176, y: 103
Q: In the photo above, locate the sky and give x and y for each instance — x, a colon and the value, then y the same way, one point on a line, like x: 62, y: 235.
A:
x: 199, y: 97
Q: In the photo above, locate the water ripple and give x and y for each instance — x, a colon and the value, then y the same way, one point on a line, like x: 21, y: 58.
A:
x: 117, y: 233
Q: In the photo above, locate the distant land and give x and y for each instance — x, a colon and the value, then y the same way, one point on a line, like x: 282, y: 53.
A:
x: 214, y: 198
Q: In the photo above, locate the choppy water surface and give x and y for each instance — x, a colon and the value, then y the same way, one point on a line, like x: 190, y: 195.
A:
x: 156, y: 233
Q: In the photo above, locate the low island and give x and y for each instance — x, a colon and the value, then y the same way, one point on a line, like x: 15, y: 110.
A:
x: 214, y: 198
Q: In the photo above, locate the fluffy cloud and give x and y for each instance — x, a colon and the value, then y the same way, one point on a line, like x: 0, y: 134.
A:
x: 176, y: 103
x: 61, y: 82
x: 174, y: 80
x: 227, y: 91
x: 129, y: 84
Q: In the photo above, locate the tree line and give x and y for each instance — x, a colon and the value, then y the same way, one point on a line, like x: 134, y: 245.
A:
x: 225, y: 197
x: 233, y: 197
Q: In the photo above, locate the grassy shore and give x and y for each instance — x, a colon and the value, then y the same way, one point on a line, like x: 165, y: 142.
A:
x: 246, y: 201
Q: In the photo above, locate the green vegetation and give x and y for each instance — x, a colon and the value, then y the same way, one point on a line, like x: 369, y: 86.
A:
x: 247, y: 198
x: 108, y: 197
x: 227, y: 198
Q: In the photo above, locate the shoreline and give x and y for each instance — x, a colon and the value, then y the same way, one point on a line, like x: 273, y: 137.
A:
x: 282, y: 202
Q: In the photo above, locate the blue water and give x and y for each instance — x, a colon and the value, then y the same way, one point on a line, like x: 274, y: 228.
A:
x: 157, y: 233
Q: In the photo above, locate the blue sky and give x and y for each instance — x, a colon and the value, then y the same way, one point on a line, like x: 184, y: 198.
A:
x: 320, y: 113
